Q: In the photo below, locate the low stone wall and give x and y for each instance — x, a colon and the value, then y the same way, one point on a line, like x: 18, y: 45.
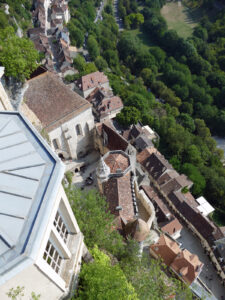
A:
x: 141, y: 196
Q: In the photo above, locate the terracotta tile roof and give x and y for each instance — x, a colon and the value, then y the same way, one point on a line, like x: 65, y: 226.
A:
x: 109, y: 105
x: 52, y: 101
x: 172, y: 227
x: 168, y: 175
x: 114, y: 140
x: 117, y: 161
x: 187, y: 265
x: 184, y: 181
x: 170, y: 186
x: 93, y: 80
x: 190, y: 200
x: 183, y: 262
x: 145, y: 154
x: 118, y: 193
x: 166, y: 248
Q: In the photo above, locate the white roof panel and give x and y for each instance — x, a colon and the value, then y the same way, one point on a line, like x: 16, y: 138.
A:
x: 205, y: 208
x: 27, y: 173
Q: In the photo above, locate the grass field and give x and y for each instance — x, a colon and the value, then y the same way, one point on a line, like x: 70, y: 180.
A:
x: 180, y: 18
x: 143, y: 37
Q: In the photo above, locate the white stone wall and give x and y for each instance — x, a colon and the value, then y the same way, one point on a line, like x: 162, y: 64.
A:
x: 5, y: 103
x: 87, y: 92
x: 33, y: 281
x: 67, y: 138
x: 39, y: 277
x: 141, y: 196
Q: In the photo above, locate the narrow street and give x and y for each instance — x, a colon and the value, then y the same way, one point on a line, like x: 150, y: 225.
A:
x: 116, y: 14
x: 208, y: 275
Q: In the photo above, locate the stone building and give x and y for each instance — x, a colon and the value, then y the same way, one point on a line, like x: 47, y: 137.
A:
x: 4, y: 99
x: 89, y: 82
x: 41, y: 245
x: 184, y: 264
x: 64, y: 115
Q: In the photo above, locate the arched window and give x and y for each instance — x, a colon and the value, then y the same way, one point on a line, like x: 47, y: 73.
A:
x: 78, y: 129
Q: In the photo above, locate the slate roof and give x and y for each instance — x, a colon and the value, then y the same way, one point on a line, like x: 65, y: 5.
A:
x: 114, y: 140
x: 157, y: 202
x: 142, y: 142
x: 52, y: 101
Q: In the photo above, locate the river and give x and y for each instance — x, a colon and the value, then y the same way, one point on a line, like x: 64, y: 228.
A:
x: 220, y: 142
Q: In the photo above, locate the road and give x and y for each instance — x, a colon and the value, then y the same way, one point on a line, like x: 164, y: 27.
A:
x: 99, y: 12
x: 116, y: 14
x: 208, y: 274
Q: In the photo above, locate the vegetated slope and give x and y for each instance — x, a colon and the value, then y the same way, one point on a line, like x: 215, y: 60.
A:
x: 19, y: 9
x: 185, y: 74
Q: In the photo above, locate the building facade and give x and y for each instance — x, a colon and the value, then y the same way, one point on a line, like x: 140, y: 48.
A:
x: 65, y: 116
x: 41, y: 245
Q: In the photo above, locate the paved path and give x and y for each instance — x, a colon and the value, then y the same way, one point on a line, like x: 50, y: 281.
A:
x: 208, y: 274
x: 116, y: 14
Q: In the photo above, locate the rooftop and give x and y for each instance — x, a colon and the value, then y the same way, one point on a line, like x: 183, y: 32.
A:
x: 204, y: 207
x: 172, y: 226
x: 118, y: 194
x: 30, y: 175
x: 93, y: 80
x: 52, y: 101
x: 117, y: 161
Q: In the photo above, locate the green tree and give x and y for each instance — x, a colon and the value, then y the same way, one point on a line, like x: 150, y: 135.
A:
x: 193, y: 173
x: 201, y: 128
x: 93, y: 47
x: 3, y: 20
x: 79, y: 63
x: 101, y: 63
x: 148, y: 76
x: 95, y: 220
x: 143, y: 272
x: 129, y: 115
x: 187, y: 121
x: 135, y: 20
x: 17, y: 55
x: 102, y: 280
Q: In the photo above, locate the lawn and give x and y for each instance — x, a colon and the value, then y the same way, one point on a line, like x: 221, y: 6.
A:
x: 181, y: 18
x: 143, y: 37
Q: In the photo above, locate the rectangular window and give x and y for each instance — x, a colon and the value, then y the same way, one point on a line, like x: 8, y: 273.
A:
x: 52, y: 257
x: 61, y: 227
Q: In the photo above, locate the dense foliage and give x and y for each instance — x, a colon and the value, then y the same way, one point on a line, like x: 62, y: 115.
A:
x: 124, y: 275
x: 187, y: 76
x: 19, y: 9
x: 17, y: 55
x: 102, y: 280
x: 95, y: 221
